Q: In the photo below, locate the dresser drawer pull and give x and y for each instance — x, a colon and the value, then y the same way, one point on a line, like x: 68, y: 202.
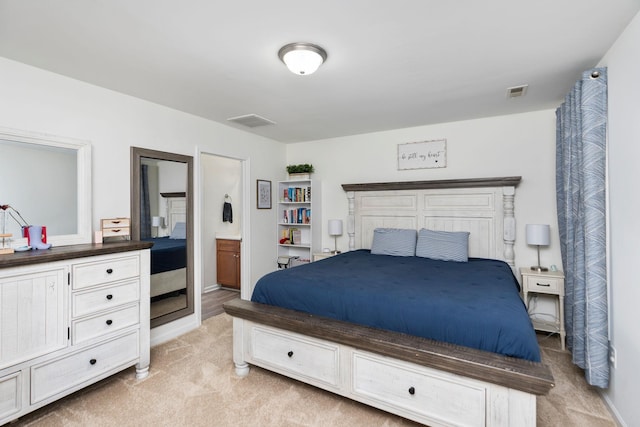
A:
x: 109, y: 321
x: 93, y: 361
x: 290, y: 354
x: 543, y: 284
x: 109, y: 270
x: 116, y: 230
x: 412, y: 391
x: 109, y: 296
x: 115, y: 222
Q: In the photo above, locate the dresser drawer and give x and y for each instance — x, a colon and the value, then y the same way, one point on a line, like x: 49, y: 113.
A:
x: 296, y: 354
x: 115, y: 232
x: 99, y: 272
x: 115, y: 223
x: 542, y: 284
x: 419, y: 390
x: 95, y: 300
x: 49, y: 379
x: 87, y: 328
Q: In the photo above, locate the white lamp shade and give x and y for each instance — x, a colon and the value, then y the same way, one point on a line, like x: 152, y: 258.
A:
x: 157, y: 221
x: 335, y: 227
x: 538, y: 234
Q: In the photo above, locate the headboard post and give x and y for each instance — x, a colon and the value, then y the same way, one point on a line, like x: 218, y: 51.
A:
x: 351, y: 220
x: 509, y: 225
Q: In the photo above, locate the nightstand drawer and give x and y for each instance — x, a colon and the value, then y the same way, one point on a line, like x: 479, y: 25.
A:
x: 542, y: 284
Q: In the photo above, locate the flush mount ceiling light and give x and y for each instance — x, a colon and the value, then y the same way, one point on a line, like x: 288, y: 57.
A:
x: 302, y: 58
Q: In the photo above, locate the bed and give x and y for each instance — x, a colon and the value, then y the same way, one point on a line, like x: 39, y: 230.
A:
x: 169, y: 253
x: 432, y: 380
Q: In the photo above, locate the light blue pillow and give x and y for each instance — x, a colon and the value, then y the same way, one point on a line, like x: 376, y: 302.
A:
x: 443, y: 245
x: 394, y: 241
x: 179, y: 231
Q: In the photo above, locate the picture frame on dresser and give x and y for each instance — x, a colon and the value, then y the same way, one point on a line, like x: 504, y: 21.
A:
x: 263, y: 194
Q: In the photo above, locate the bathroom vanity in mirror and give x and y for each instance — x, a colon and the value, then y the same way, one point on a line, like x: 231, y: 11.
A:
x: 71, y: 316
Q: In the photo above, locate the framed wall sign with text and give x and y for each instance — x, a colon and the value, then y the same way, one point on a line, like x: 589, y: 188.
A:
x: 422, y: 155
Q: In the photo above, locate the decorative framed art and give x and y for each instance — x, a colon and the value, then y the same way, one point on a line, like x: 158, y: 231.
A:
x: 264, y: 194
x: 422, y: 155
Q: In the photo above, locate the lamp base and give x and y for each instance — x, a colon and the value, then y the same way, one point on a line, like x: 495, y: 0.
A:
x: 539, y: 268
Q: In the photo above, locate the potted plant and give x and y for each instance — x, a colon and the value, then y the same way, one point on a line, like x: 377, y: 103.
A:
x: 301, y: 171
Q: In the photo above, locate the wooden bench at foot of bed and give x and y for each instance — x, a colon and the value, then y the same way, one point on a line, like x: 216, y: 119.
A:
x: 424, y: 380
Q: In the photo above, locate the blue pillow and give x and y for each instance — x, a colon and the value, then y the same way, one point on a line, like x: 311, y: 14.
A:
x: 394, y: 241
x: 179, y: 231
x: 443, y: 245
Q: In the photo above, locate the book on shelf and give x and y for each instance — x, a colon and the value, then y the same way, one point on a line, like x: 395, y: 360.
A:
x: 297, y: 194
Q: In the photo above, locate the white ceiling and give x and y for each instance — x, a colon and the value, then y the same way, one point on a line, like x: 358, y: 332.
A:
x: 391, y: 64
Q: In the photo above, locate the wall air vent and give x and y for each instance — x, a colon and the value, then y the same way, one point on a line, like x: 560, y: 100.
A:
x: 517, y: 91
x: 251, y: 120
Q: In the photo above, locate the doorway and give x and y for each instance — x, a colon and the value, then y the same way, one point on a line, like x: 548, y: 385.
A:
x: 223, y: 213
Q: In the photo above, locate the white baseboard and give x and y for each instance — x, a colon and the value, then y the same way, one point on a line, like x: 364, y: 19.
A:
x: 209, y: 288
x: 616, y: 415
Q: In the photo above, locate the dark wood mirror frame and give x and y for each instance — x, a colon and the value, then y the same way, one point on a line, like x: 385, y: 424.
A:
x: 137, y: 154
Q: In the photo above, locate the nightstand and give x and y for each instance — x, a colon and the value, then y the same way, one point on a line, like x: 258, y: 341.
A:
x: 322, y: 255
x: 549, y: 283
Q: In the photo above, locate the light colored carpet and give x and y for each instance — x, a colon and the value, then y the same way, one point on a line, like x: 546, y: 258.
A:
x: 193, y: 383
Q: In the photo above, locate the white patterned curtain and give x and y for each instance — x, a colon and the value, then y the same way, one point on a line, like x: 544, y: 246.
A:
x: 581, y: 196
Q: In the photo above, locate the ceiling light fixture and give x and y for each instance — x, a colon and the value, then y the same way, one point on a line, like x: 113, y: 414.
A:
x: 302, y: 58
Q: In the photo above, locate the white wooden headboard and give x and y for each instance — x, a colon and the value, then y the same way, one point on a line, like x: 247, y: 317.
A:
x: 483, y: 206
x: 176, y: 209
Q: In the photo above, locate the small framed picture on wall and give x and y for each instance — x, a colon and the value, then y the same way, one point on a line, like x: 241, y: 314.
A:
x: 264, y: 194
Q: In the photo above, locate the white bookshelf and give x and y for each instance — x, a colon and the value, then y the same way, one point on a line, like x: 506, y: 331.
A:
x: 299, y: 217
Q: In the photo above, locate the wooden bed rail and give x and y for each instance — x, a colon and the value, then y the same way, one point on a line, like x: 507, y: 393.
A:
x: 523, y: 375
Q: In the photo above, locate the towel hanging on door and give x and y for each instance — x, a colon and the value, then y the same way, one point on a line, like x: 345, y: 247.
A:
x: 227, y: 210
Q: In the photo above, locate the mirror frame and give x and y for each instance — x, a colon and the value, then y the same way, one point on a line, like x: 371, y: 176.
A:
x: 83, y: 170
x: 136, y: 160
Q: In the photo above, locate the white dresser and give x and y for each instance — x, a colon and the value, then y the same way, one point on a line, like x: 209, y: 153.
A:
x: 69, y: 317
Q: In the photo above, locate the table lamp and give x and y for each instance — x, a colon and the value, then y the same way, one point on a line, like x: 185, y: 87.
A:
x: 335, y: 230
x: 538, y: 234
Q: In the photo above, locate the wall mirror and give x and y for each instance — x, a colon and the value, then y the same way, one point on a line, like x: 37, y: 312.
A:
x: 47, y: 179
x: 162, y: 212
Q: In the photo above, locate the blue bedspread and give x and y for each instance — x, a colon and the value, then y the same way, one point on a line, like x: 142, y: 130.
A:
x: 475, y: 304
x: 167, y: 254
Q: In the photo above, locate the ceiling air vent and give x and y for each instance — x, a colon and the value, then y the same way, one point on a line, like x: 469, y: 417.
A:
x: 517, y: 91
x: 251, y: 120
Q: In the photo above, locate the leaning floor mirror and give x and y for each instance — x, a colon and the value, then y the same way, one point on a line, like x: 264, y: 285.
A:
x: 162, y: 212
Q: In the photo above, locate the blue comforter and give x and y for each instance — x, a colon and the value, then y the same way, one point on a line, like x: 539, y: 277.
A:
x: 167, y: 254
x: 474, y: 304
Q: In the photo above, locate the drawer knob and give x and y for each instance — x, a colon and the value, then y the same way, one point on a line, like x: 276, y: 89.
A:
x: 109, y: 321
x: 109, y: 270
x: 93, y: 361
x: 290, y: 354
x: 109, y: 296
x: 412, y: 391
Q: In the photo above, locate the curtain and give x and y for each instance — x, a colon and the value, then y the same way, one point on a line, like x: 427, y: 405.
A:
x: 581, y: 201
x: 145, y: 205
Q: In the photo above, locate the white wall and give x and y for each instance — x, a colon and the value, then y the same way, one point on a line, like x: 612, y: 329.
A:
x: 623, y: 64
x: 41, y: 101
x: 515, y: 145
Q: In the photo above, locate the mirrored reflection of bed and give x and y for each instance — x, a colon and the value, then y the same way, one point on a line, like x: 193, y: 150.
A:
x: 459, y: 376
x: 169, y: 259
